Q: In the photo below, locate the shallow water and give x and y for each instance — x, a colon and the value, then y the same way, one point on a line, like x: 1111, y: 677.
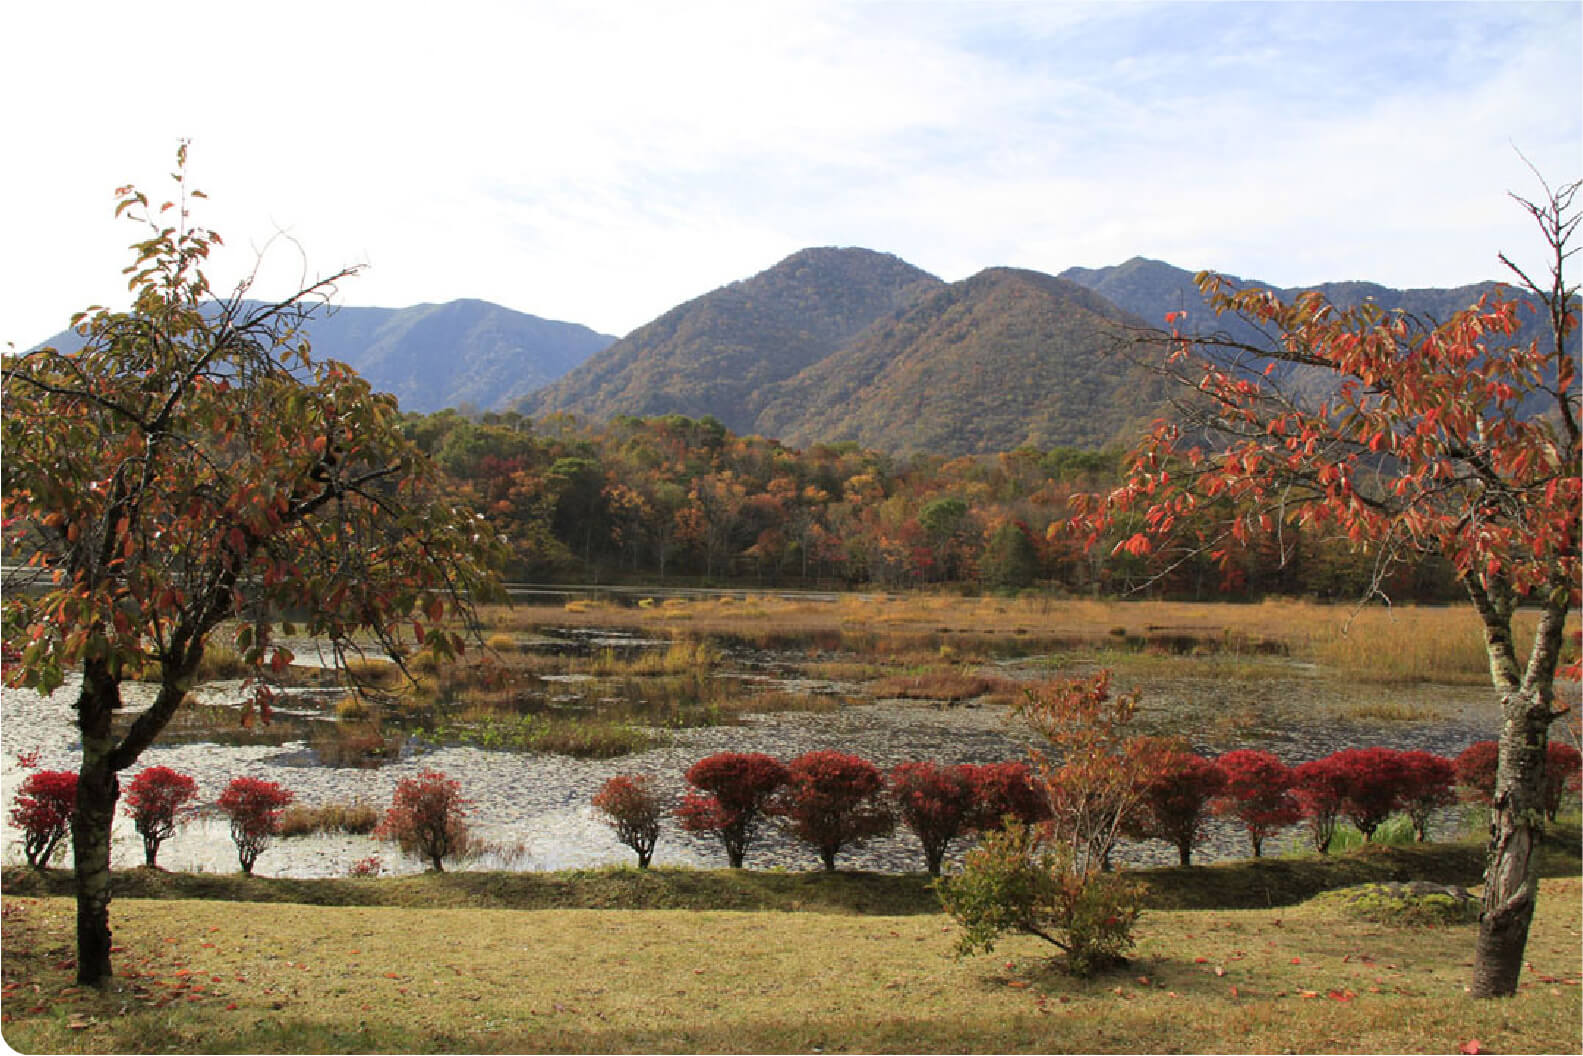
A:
x: 534, y: 808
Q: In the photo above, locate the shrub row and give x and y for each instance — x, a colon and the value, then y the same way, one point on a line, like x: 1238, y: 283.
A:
x: 832, y: 800
x: 828, y: 800
x: 426, y: 816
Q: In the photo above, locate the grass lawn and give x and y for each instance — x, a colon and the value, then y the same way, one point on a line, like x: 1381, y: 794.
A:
x: 865, y: 967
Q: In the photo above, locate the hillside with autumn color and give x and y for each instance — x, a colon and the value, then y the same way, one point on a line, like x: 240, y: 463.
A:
x: 722, y: 353
x: 1005, y: 359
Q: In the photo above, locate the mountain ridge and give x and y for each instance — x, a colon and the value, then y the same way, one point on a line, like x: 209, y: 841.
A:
x: 414, y: 352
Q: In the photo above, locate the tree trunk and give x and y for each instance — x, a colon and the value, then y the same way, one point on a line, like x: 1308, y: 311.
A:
x: 1511, y: 879
x: 97, y: 790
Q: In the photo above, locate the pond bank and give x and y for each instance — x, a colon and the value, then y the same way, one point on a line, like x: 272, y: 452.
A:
x: 534, y: 808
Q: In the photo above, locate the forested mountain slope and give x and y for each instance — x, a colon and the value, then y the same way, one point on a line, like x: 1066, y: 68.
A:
x: 1003, y: 359
x: 719, y: 353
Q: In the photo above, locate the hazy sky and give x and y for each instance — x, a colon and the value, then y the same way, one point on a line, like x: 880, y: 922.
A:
x: 600, y: 163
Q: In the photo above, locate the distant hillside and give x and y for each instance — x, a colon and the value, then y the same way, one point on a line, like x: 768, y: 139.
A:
x: 719, y: 354
x: 1151, y: 288
x: 433, y: 356
x: 1005, y: 358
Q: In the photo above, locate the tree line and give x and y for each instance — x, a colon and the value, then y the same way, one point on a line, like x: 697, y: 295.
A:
x: 673, y: 497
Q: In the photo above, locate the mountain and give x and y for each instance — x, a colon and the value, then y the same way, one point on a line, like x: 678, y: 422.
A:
x: 720, y: 353
x: 1150, y: 288
x: 1005, y: 358
x: 432, y: 356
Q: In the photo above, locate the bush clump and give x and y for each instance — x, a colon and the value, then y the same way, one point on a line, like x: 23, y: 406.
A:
x: 157, y: 801
x: 1016, y: 881
x: 254, y: 807
x: 731, y: 793
x: 42, y: 810
x: 427, y: 818
x: 632, y: 807
x: 832, y: 800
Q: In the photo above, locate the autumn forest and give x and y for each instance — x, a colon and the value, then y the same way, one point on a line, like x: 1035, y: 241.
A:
x: 675, y: 499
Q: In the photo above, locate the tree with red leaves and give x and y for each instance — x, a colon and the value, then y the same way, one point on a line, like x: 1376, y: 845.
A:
x: 1090, y: 782
x: 1321, y: 791
x: 730, y: 793
x: 190, y: 470
x: 633, y: 808
x: 1005, y: 790
x: 1175, y: 790
x: 1413, y: 439
x: 1372, y: 786
x: 42, y: 810
x: 1426, y: 784
x: 1563, y: 770
x: 1258, y: 793
x: 427, y: 818
x: 1475, y: 769
x: 936, y: 802
x: 157, y: 801
x: 833, y: 800
x: 254, y: 807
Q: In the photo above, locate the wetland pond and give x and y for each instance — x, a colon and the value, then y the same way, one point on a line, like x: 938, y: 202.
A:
x: 531, y: 809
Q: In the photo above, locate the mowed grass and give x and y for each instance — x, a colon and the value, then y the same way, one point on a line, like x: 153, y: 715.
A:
x: 245, y: 977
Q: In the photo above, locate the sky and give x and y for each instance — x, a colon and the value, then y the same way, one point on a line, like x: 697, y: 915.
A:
x: 600, y: 163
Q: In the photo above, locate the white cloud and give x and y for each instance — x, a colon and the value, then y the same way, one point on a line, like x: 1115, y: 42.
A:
x: 602, y: 162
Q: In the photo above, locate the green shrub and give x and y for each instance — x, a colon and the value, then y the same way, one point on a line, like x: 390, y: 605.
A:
x: 1014, y: 882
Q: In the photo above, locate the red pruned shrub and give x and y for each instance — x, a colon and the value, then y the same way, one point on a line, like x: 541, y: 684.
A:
x: 1174, y: 789
x: 936, y: 802
x: 633, y: 809
x: 42, y: 810
x: 1373, y: 786
x: 1563, y: 771
x: 1475, y: 769
x: 254, y: 807
x: 156, y: 800
x: 427, y: 818
x: 1321, y: 791
x: 1258, y: 793
x: 1002, y: 790
x: 1426, y: 783
x: 832, y: 800
x: 732, y: 790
